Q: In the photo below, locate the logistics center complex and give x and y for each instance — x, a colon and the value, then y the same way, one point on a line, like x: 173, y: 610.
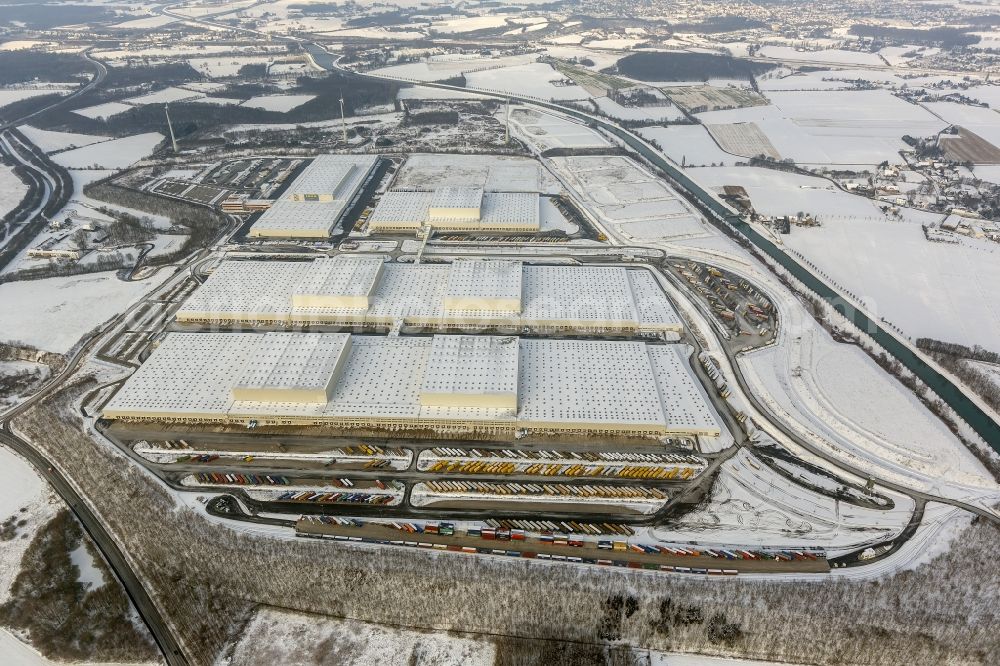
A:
x: 444, y: 383
x: 465, y: 294
x: 488, y: 384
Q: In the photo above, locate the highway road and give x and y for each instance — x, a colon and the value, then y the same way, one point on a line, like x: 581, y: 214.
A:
x: 147, y: 609
x: 101, y: 71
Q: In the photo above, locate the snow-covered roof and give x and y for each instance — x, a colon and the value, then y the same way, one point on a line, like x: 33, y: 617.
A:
x: 533, y: 383
x: 501, y: 208
x: 472, y: 366
x: 564, y: 296
x: 457, y: 197
x: 401, y: 208
x: 294, y: 361
x: 338, y: 176
x: 341, y: 276
x: 458, y: 205
x: 299, y: 218
x: 482, y: 284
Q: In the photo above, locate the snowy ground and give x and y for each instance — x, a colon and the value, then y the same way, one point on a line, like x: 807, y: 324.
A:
x: 12, y: 190
x: 281, y: 103
x: 782, y: 193
x: 279, y: 637
x: 20, y: 487
x: 103, y: 111
x: 491, y: 172
x: 690, y: 145
x: 275, y: 636
x: 837, y: 56
x: 114, y: 154
x: 652, y: 114
x: 54, y: 313
x: 753, y: 505
x: 843, y: 127
x: 50, y: 141
x: 938, y: 290
x: 544, y: 131
x: 537, y: 79
x: 623, y: 195
x: 982, y: 121
x: 11, y: 95
x: 838, y: 399
x: 438, y: 68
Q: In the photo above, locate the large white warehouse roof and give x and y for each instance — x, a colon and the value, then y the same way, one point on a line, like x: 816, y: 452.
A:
x: 365, y: 291
x: 449, y: 381
x: 316, y: 201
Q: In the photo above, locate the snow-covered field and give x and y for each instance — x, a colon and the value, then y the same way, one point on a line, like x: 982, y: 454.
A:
x: 50, y: 141
x: 783, y: 193
x: 690, y: 145
x: 837, y: 397
x: 437, y: 68
x: 652, y: 114
x: 20, y: 487
x: 54, y: 313
x: 114, y: 154
x: 426, y: 92
x: 625, y: 196
x: 531, y: 80
x: 164, y: 96
x: 11, y: 95
x: 223, y: 66
x: 844, y: 127
x: 982, y: 121
x: 280, y: 103
x: 12, y: 190
x: 103, y: 111
x: 836, y: 56
x: 545, y: 131
x: 279, y: 637
x: 469, y: 24
x: 927, y: 289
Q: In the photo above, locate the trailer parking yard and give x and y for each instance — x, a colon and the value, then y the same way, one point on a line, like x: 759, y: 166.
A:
x: 608, y: 552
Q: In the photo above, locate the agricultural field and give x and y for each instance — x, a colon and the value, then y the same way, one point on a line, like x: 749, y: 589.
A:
x: 937, y: 290
x: 114, y: 154
x: 537, y: 80
x: 698, y: 99
x: 745, y: 139
x: 968, y: 146
x: 852, y: 128
x: 647, y: 114
x: 689, y: 145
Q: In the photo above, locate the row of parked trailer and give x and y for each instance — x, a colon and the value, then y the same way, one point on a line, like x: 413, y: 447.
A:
x: 582, y: 456
x: 242, y: 479
x: 557, y: 489
x: 500, y: 532
x: 371, y: 450
x: 569, y: 527
x: 334, y: 498
x: 558, y: 469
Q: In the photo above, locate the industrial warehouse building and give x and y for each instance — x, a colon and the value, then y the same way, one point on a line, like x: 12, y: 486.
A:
x: 316, y: 202
x: 457, y: 209
x: 467, y: 294
x: 485, y: 384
